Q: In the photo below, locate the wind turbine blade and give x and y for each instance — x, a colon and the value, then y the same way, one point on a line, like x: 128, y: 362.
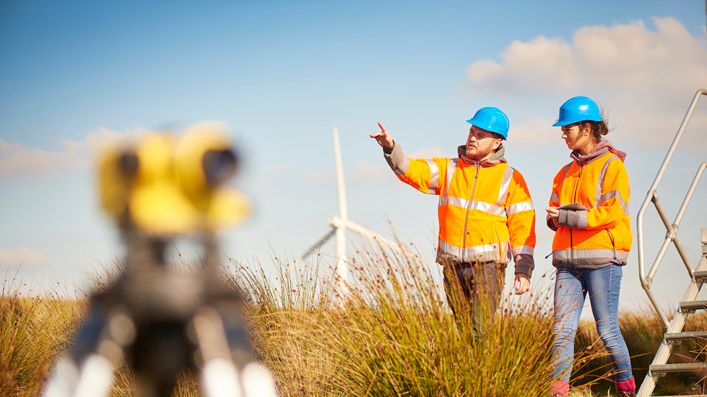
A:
x: 368, y: 233
x: 319, y: 243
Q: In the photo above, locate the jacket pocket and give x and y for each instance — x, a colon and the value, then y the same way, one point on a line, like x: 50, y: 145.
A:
x: 613, y: 244
x: 503, y: 241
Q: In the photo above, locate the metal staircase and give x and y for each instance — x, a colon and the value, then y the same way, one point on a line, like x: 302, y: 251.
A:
x: 698, y: 275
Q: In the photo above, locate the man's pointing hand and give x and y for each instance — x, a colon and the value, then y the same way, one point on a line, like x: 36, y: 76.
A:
x: 382, y: 137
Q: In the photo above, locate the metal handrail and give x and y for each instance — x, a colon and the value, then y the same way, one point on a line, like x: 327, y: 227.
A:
x: 671, y: 234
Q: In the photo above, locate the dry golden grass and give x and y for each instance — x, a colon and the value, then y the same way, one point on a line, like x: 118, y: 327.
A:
x: 395, y: 336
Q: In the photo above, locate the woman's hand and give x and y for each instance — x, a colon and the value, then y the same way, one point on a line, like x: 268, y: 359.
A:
x: 553, y: 215
x: 382, y: 137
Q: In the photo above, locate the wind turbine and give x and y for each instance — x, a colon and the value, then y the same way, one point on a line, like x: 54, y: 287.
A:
x: 340, y: 224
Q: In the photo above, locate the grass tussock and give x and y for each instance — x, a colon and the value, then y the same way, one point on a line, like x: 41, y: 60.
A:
x: 396, y: 335
x: 33, y: 332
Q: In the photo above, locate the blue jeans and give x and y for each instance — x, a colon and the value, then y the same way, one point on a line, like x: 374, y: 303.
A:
x: 571, y: 287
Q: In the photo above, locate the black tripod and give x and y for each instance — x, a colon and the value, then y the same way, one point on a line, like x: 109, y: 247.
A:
x: 161, y: 322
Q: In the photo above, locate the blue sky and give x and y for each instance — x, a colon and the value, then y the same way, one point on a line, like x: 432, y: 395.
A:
x: 283, y: 74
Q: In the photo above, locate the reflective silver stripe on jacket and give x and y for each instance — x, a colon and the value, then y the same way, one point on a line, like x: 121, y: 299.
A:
x: 600, y: 181
x: 474, y: 205
x: 519, y: 207
x: 451, y: 168
x: 602, y: 198
x: 434, y: 176
x: 522, y: 249
x: 588, y: 257
x: 613, y: 194
x: 554, y: 198
x: 505, y: 183
x: 476, y: 253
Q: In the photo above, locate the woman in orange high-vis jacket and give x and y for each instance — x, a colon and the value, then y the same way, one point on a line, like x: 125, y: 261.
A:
x: 588, y: 210
x: 485, y: 213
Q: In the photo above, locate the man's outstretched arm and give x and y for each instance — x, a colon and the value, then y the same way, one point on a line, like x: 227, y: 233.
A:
x: 422, y: 174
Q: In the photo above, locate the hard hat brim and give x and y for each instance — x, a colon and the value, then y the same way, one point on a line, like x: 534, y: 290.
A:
x: 472, y: 122
x: 561, y: 123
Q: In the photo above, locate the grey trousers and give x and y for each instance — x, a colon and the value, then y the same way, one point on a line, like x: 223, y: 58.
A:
x: 474, y: 287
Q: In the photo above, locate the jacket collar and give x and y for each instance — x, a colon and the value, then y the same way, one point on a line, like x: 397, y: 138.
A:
x: 600, y: 149
x: 496, y: 157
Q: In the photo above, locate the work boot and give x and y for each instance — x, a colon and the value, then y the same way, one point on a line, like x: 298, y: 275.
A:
x: 560, y: 388
x: 626, y: 388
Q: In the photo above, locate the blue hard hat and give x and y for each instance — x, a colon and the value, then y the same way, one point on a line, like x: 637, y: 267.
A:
x: 491, y: 119
x: 576, y: 109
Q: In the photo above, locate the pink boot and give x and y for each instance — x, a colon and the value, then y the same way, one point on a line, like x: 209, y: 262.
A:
x: 560, y: 388
x: 626, y: 388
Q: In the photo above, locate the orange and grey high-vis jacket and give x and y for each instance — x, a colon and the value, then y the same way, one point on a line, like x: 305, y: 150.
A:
x: 485, y: 211
x: 592, y: 192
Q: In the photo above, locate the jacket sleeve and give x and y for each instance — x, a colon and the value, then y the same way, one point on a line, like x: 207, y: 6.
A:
x: 611, y: 202
x: 555, y: 197
x: 521, y: 224
x: 422, y: 174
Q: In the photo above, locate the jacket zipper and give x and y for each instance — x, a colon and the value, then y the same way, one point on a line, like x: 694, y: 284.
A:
x: 574, y: 200
x: 466, y: 216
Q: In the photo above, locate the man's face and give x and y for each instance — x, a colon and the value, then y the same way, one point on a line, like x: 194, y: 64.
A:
x: 481, y: 143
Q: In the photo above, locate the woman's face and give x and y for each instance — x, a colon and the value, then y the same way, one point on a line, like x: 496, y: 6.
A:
x: 576, y: 136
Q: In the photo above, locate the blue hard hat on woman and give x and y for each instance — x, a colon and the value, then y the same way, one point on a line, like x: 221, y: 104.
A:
x: 576, y: 109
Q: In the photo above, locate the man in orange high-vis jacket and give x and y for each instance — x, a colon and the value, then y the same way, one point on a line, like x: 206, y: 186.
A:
x: 485, y: 212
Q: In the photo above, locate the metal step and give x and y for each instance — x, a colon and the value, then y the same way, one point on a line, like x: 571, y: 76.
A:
x: 700, y: 276
x: 691, y: 306
x: 681, y: 336
x: 685, y: 367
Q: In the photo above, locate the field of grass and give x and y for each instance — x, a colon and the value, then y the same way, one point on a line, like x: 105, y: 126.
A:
x: 394, y: 336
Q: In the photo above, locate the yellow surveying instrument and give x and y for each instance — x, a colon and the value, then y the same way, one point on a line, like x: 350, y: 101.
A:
x: 158, y: 321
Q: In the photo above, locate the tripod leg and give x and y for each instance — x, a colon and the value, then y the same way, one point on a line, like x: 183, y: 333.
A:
x: 96, y: 377
x: 87, y: 369
x: 219, y: 376
x: 258, y: 380
x: 63, y: 379
x: 93, y: 380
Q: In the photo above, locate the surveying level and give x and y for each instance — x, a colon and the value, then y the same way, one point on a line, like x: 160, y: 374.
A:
x: 158, y: 321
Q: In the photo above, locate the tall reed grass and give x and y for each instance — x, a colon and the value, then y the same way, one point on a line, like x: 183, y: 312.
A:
x: 395, y: 334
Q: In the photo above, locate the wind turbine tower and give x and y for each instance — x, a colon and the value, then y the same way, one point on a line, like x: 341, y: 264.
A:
x: 340, y: 224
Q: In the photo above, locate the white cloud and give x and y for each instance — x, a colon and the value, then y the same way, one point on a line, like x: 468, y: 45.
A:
x: 533, y: 131
x: 71, y: 154
x: 372, y: 172
x: 23, y: 257
x: 644, y: 78
x: 18, y: 159
x: 429, y: 152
